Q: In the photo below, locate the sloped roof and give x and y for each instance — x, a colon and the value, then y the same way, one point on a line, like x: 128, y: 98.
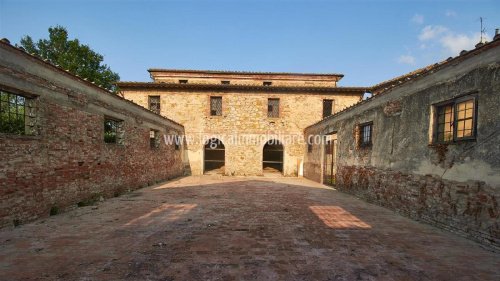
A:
x: 387, y: 86
x: 6, y: 43
x: 242, y: 88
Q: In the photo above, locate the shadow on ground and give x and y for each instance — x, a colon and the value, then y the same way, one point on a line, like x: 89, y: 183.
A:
x: 228, y: 228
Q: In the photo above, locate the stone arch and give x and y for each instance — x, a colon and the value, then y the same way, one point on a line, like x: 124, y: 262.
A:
x: 273, y: 157
x: 214, y: 156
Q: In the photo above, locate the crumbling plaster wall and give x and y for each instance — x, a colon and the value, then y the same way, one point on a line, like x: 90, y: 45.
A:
x: 454, y: 186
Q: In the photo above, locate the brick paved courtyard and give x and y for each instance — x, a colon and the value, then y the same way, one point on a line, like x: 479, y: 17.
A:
x: 225, y: 228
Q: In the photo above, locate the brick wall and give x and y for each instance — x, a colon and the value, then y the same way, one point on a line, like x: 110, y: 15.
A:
x: 67, y: 160
x: 455, y: 185
x: 468, y: 208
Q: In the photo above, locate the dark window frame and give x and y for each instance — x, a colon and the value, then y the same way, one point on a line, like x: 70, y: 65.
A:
x: 154, y: 139
x: 225, y: 82
x: 117, y: 131
x: 154, y: 105
x: 183, y: 81
x: 454, y: 105
x: 213, y: 108
x: 24, y: 114
x: 267, y: 83
x: 271, y: 112
x: 328, y: 112
x: 362, y: 137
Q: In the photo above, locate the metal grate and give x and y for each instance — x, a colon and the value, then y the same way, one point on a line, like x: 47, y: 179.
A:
x: 13, y: 111
x: 113, y: 131
x: 365, y: 135
x: 154, y: 138
x: 216, y: 106
x: 154, y: 104
x: 273, y: 107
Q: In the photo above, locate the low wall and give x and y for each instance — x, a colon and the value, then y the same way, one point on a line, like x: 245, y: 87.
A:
x: 65, y: 160
x: 467, y: 208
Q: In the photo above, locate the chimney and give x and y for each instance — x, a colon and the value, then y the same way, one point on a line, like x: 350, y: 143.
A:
x: 497, y: 34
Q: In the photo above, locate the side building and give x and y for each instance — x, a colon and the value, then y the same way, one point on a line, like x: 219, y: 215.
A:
x: 426, y: 145
x: 66, y: 142
x: 242, y: 123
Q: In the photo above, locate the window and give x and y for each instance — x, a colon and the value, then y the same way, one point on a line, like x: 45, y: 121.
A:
x: 267, y: 83
x: 113, y: 131
x: 183, y: 81
x: 225, y: 82
x: 365, y: 134
x: 455, y: 120
x: 273, y: 108
x: 154, y: 104
x: 327, y: 108
x: 17, y: 114
x: 177, y: 142
x: 215, y: 106
x: 154, y: 138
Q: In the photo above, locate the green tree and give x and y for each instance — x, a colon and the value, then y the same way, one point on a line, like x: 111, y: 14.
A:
x: 72, y: 55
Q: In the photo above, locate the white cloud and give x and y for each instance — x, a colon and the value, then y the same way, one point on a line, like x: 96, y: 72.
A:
x: 418, y: 19
x: 431, y: 31
x: 406, y: 59
x: 454, y: 43
x: 450, y: 13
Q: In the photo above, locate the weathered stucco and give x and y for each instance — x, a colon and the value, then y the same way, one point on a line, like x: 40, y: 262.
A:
x: 403, y: 167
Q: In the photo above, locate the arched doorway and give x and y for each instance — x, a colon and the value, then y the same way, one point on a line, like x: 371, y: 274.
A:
x: 214, y: 157
x: 272, y: 157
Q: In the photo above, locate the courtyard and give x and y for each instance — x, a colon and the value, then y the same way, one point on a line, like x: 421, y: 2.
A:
x: 238, y: 228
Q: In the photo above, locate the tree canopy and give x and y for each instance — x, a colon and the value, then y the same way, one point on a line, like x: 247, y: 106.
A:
x: 78, y: 58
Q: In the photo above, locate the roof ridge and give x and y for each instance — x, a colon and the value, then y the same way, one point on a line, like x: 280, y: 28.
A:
x: 242, y: 72
x: 235, y: 86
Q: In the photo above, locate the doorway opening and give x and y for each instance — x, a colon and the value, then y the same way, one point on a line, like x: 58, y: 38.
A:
x: 214, y: 157
x: 330, y: 159
x: 272, y: 157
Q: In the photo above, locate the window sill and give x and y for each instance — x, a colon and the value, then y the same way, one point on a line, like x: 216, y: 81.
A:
x: 21, y: 137
x: 434, y: 144
x: 114, y: 144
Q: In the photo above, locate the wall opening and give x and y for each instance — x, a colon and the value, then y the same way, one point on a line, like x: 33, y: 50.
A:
x: 272, y: 157
x: 214, y: 157
x: 330, y: 159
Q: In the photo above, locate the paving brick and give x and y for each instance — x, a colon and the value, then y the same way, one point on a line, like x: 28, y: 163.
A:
x: 233, y: 228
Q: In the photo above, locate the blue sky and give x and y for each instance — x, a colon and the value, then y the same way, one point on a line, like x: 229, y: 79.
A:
x: 368, y: 41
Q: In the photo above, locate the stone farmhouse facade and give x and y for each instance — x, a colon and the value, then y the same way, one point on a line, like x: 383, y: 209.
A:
x: 426, y: 144
x: 244, y: 111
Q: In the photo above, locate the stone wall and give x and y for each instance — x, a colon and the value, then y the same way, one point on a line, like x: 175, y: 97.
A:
x: 244, y: 117
x: 245, y: 78
x: 66, y: 160
x: 455, y: 185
